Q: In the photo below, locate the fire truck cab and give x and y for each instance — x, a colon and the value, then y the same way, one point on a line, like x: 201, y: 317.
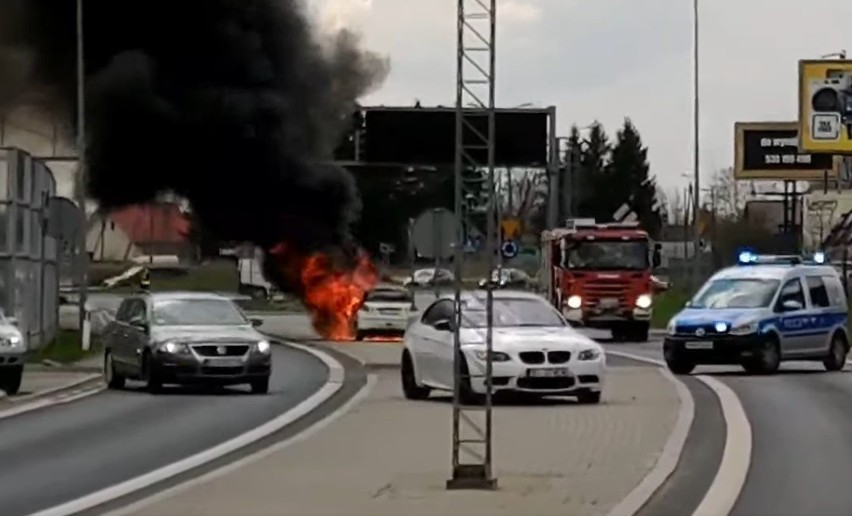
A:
x: 599, y: 276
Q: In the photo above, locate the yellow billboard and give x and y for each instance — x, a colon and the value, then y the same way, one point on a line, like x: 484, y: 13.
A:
x: 825, y: 106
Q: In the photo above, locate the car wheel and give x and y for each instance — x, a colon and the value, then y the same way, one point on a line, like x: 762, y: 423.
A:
x: 589, y: 398
x: 360, y: 334
x: 111, y: 378
x: 410, y: 388
x: 467, y: 394
x: 10, y: 379
x: 768, y: 359
x: 836, y: 359
x: 677, y: 363
x: 260, y: 386
x: 153, y: 382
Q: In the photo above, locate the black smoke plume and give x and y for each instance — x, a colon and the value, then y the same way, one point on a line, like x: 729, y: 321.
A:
x: 233, y: 104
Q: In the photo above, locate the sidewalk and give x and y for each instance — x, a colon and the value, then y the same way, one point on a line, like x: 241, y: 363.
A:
x: 39, y: 379
x: 390, y: 456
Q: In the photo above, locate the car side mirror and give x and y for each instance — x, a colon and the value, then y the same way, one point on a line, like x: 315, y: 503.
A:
x: 256, y: 322
x: 791, y: 305
x: 444, y: 325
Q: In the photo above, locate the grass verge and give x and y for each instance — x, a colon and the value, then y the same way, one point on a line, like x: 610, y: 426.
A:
x: 666, y: 305
x: 65, y: 348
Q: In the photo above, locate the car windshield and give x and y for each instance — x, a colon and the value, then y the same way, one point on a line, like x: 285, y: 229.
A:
x: 736, y: 293
x: 608, y: 254
x: 513, y: 313
x: 197, y: 312
x: 389, y: 295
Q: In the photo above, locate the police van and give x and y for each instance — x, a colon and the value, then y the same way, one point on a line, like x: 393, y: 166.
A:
x: 762, y: 311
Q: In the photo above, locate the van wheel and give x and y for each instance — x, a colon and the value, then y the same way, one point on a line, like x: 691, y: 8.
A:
x: 10, y: 379
x: 836, y: 359
x: 678, y: 363
x: 768, y: 359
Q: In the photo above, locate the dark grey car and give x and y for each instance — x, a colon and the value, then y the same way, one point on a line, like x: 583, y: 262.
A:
x: 185, y: 338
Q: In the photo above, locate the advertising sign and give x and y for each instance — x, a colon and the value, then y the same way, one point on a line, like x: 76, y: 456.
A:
x: 770, y: 150
x: 825, y: 106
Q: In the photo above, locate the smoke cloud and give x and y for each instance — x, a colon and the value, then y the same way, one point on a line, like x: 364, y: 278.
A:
x: 233, y: 104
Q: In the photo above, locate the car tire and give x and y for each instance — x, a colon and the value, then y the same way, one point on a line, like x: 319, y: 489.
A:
x: 836, y: 359
x: 260, y: 386
x: 153, y: 382
x: 768, y: 359
x: 10, y: 379
x: 360, y: 334
x: 589, y: 398
x: 467, y: 394
x: 410, y: 389
x: 619, y: 333
x: 112, y: 380
x: 677, y: 363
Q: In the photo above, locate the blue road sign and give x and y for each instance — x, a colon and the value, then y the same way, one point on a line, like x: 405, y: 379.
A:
x: 509, y: 249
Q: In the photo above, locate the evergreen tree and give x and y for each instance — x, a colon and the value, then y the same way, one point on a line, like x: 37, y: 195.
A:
x: 570, y: 181
x: 593, y: 177
x: 629, y: 179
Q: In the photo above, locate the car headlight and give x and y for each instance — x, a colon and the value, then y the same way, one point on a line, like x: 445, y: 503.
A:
x: 263, y: 346
x: 496, y: 356
x: 173, y: 348
x: 574, y: 302
x: 16, y: 341
x: 644, y: 301
x: 672, y: 327
x: 721, y: 327
x: 589, y: 354
x: 745, y: 328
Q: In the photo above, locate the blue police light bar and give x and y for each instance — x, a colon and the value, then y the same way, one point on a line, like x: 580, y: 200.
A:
x: 746, y: 257
x: 819, y: 257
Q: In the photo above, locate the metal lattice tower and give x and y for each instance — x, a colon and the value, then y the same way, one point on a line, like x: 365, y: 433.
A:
x: 475, y: 77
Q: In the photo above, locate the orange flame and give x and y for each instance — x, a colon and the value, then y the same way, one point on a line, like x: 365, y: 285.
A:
x: 331, y: 294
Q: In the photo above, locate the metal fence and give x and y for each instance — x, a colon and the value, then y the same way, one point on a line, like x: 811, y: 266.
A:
x: 28, y: 264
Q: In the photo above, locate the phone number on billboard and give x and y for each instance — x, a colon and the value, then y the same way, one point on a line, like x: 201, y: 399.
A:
x: 787, y: 159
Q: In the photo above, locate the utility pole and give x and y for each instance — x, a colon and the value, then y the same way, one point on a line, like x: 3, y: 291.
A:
x: 475, y: 81
x: 80, y: 190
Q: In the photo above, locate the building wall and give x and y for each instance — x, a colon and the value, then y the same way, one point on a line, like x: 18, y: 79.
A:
x: 106, y: 242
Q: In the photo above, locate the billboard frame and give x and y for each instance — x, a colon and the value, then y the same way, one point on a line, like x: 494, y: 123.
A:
x: 807, y: 144
x: 772, y: 174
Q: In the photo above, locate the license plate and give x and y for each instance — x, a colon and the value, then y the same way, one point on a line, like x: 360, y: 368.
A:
x: 388, y: 311
x: 609, y: 302
x: 699, y: 344
x: 225, y: 362
x: 549, y: 372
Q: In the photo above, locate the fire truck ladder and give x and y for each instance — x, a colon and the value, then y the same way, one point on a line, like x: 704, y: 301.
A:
x: 475, y: 65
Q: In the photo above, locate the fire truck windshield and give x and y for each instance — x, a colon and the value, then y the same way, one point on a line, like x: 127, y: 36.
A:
x: 608, y: 255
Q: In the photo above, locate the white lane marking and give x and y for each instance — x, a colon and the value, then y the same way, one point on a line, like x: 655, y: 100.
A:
x: 669, y: 458
x: 730, y: 478
x: 45, y: 402
x: 245, y: 461
x: 332, y: 385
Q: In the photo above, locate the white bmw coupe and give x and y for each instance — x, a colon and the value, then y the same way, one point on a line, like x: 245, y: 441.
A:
x: 534, y: 350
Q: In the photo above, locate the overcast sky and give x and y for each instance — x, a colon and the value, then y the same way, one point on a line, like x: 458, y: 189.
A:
x: 607, y: 59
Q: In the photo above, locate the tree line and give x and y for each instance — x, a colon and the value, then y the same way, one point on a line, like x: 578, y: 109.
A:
x: 606, y: 173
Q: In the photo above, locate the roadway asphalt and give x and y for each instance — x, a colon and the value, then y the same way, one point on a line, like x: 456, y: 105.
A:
x: 59, y: 454
x: 801, y: 426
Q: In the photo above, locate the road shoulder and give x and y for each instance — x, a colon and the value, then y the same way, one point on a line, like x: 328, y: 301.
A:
x: 391, y: 456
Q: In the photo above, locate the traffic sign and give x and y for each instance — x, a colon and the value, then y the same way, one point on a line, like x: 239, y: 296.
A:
x: 511, y: 228
x: 434, y: 233
x: 509, y: 249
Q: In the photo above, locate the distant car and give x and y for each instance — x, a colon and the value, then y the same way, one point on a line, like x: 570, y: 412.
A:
x: 430, y: 277
x: 185, y: 338
x: 508, y: 278
x: 386, y: 308
x: 13, y: 349
x: 535, y: 351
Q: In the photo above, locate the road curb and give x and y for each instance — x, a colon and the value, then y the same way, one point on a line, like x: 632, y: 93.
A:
x: 91, y: 380
x: 673, y: 449
x: 333, y: 384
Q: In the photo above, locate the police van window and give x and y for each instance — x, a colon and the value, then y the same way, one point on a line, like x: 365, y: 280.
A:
x: 791, y: 291
x: 835, y: 291
x: 818, y: 292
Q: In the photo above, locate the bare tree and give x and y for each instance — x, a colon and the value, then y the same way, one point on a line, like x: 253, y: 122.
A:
x: 728, y: 194
x: 522, y: 194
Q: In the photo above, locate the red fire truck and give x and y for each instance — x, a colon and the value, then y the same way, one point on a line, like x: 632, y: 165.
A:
x: 599, y: 276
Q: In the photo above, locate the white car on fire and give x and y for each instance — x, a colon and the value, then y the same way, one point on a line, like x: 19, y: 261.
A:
x: 386, y: 309
x: 534, y: 350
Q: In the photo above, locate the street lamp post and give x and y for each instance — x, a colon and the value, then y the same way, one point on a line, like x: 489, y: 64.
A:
x: 80, y: 190
x: 696, y: 190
